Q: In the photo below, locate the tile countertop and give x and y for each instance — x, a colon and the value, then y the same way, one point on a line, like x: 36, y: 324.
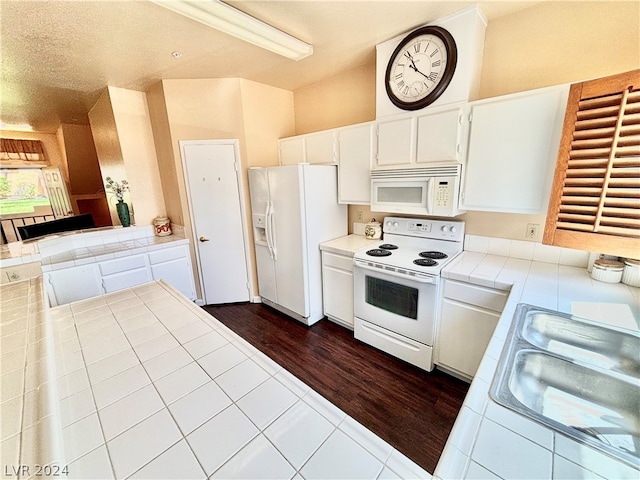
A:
x: 347, y: 245
x: 147, y: 385
x: 489, y: 441
x: 83, y: 246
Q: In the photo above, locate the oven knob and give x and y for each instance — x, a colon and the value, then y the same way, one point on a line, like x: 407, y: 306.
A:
x: 395, y: 224
x: 444, y: 228
x: 453, y: 229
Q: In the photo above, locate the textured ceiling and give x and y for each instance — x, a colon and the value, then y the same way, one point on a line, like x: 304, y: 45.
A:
x: 57, y: 56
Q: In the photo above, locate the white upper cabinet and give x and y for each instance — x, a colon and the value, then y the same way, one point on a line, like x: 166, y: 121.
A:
x: 433, y: 135
x: 321, y: 147
x: 291, y: 150
x: 356, y: 148
x: 315, y: 148
x: 440, y: 135
x: 396, y: 142
x: 512, y: 147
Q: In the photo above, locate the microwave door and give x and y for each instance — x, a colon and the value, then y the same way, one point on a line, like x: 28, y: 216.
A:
x: 398, y: 195
x: 429, y: 193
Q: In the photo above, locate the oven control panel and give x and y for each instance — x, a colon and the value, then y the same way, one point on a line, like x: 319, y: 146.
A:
x: 425, y: 228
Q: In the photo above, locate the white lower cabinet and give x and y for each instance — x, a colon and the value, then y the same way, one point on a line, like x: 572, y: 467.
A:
x: 173, y: 265
x: 337, y: 288
x: 124, y: 272
x: 468, y: 316
x: 72, y: 284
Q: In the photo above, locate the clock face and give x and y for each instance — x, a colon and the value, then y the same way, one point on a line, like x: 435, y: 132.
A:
x: 421, y: 68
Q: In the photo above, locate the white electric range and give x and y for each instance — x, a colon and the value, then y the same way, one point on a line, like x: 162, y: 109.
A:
x: 396, y: 286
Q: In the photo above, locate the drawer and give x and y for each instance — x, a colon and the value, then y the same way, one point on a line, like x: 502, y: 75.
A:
x: 167, y: 254
x: 485, y: 297
x: 109, y: 267
x: 337, y: 261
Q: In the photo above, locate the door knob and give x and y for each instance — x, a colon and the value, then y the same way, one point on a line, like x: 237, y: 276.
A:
x: 203, y: 239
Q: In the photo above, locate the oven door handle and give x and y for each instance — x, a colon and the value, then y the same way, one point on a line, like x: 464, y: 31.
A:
x: 431, y: 280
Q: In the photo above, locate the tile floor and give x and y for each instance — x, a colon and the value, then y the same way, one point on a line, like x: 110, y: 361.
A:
x: 151, y: 386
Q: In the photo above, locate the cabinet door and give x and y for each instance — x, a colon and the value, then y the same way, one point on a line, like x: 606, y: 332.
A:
x: 291, y: 150
x: 320, y: 148
x: 463, y: 335
x: 173, y: 265
x: 337, y: 288
x: 440, y: 136
x: 512, y: 150
x: 354, y: 169
x: 127, y: 279
x: 176, y: 273
x: 73, y: 284
x: 396, y: 142
x: 124, y: 272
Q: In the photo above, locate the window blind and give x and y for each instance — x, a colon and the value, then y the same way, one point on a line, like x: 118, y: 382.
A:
x: 25, y: 150
x: 595, y: 200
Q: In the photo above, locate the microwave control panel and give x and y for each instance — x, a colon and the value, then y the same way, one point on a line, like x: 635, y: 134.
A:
x: 443, y: 193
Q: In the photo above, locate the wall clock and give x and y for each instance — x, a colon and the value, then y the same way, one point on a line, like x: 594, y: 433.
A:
x: 421, y: 68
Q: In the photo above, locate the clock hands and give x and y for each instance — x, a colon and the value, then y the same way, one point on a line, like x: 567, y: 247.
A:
x: 413, y: 66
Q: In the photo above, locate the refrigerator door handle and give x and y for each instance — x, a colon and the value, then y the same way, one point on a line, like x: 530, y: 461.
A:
x: 272, y: 235
x: 267, y: 214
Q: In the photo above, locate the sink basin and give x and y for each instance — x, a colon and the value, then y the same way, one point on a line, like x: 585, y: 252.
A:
x: 598, y: 345
x: 574, y: 376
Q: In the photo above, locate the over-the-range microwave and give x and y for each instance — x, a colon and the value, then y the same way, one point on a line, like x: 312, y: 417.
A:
x: 431, y: 190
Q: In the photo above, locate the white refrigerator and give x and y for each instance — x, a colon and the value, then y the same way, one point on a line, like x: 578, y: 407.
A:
x: 294, y: 209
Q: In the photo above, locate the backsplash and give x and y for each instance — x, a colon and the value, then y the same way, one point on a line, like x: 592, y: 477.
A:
x: 526, y: 250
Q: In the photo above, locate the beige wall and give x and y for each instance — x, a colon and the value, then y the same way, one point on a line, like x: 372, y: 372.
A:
x: 339, y: 101
x: 135, y: 135
x: 164, y: 153
x: 268, y: 113
x: 560, y: 42
x: 124, y: 143
x: 105, y: 137
x: 547, y: 44
x: 82, y: 159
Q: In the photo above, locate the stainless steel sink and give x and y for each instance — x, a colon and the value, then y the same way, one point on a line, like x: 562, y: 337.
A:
x: 574, y: 376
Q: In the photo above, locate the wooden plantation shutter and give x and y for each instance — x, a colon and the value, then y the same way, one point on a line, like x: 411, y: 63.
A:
x: 595, y: 198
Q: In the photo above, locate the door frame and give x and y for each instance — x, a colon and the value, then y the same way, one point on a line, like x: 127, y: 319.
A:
x: 241, y: 199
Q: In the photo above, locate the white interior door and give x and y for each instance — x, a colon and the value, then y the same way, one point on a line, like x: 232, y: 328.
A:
x: 212, y: 176
x: 57, y: 191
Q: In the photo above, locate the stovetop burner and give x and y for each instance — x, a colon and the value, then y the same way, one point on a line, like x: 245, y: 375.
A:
x: 388, y: 246
x: 378, y: 252
x: 433, y: 254
x: 425, y: 262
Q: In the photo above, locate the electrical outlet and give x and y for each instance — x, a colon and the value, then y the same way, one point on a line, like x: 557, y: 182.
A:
x: 532, y: 231
x: 360, y: 216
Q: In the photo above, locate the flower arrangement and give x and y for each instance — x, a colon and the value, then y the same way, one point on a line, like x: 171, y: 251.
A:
x: 117, y: 188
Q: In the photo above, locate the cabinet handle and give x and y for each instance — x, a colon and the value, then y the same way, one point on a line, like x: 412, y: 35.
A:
x: 203, y: 239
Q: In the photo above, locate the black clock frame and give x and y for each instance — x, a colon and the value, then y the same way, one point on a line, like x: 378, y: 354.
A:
x: 452, y: 59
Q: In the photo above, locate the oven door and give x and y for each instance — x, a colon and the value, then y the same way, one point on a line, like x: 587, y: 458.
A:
x: 402, y: 304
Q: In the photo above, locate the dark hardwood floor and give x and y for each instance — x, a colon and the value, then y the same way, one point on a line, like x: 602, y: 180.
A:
x: 411, y: 409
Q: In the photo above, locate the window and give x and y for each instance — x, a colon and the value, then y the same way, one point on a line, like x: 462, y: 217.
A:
x: 595, y: 198
x: 22, y: 190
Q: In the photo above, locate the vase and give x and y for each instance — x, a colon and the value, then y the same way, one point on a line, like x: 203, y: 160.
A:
x: 123, y: 213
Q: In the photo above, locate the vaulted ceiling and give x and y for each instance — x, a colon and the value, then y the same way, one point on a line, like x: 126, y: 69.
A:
x: 57, y: 56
